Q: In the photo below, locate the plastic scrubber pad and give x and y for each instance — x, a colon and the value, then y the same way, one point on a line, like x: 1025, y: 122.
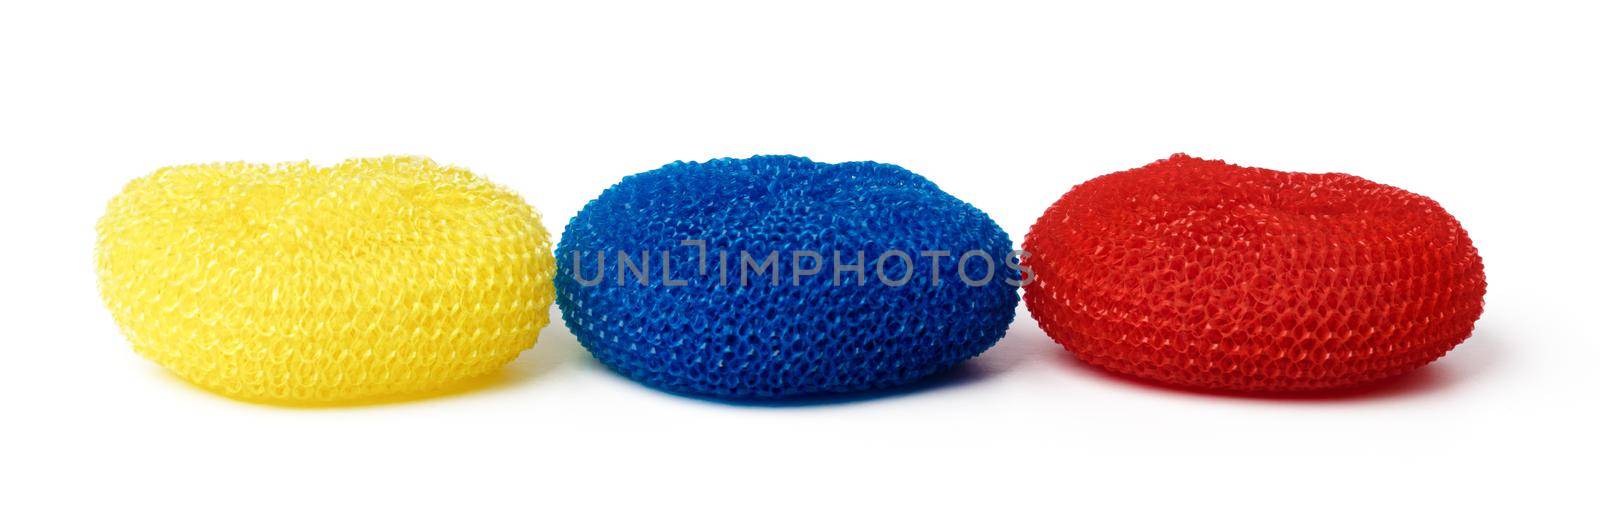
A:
x: 1209, y: 275
x: 743, y: 339
x: 304, y: 284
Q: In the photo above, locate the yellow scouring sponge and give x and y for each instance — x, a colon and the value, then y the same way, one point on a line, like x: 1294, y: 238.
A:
x: 294, y: 283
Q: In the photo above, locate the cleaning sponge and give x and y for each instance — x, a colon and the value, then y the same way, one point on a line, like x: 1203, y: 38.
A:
x: 296, y: 283
x: 1209, y: 275
x: 777, y: 276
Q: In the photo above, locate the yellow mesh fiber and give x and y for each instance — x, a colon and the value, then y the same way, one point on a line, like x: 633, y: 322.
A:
x: 294, y: 283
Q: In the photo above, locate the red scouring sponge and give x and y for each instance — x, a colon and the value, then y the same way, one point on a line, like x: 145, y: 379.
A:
x: 1209, y: 275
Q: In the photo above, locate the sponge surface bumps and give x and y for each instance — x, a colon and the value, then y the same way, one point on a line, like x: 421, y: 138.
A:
x: 1209, y: 275
x: 298, y: 283
x: 745, y: 336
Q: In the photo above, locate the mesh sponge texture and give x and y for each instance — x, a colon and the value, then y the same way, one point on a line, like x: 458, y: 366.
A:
x: 295, y: 283
x: 1214, y: 276
x: 760, y: 340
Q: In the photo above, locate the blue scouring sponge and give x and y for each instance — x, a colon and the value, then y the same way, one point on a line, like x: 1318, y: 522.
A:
x: 778, y: 276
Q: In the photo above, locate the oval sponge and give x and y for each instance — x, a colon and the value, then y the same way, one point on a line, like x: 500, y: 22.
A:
x: 699, y: 320
x: 295, y: 283
x: 1209, y: 275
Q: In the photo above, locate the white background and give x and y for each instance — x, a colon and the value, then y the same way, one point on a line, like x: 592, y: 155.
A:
x: 1491, y: 110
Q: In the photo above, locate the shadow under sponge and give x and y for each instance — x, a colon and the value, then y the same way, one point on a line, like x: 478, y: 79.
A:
x: 1208, y: 275
x: 729, y: 332
x: 294, y: 283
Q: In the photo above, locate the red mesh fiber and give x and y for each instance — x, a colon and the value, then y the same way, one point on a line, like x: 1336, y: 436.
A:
x: 1208, y: 275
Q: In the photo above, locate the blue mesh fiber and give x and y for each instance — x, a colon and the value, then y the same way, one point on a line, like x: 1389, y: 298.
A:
x: 718, y: 337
